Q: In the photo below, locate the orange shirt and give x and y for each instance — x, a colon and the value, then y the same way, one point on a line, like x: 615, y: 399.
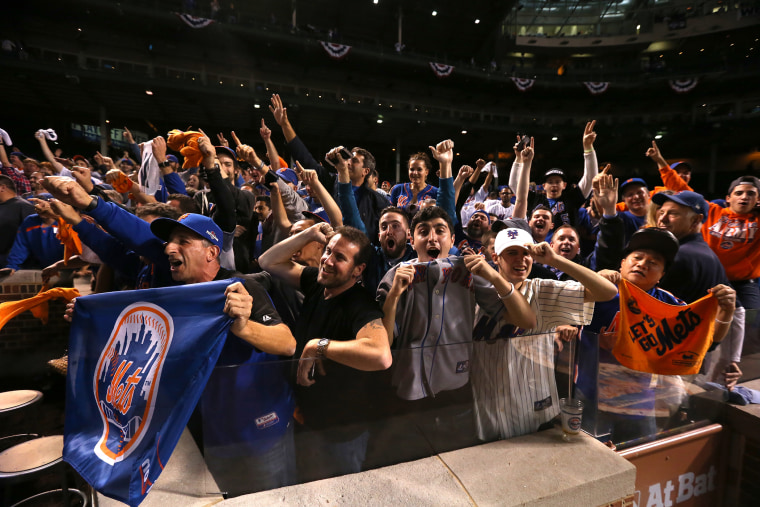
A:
x: 670, y: 179
x: 733, y: 237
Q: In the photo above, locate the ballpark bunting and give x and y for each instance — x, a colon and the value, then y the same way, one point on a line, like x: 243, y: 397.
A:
x: 596, y: 88
x: 441, y: 70
x: 683, y: 85
x: 336, y: 51
x: 138, y: 363
x: 655, y: 337
x: 194, y: 22
x: 523, y: 84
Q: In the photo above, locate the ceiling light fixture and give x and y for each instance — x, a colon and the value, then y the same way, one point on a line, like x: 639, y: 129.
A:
x: 148, y: 92
x: 435, y: 13
x: 658, y: 136
x: 464, y: 132
x: 477, y: 21
x: 555, y: 138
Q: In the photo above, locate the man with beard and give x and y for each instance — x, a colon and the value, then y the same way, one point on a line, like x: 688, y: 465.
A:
x: 394, y: 247
x: 479, y: 224
x: 502, y: 207
x: 339, y: 335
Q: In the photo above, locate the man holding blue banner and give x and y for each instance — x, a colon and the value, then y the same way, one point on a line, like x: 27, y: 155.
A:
x: 120, y: 440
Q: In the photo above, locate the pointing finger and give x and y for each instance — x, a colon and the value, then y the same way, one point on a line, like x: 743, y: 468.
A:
x: 235, y: 137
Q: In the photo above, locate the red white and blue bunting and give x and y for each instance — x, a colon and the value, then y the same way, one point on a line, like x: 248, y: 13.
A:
x: 523, y: 84
x: 194, y: 22
x: 596, y: 88
x: 683, y: 85
x: 336, y: 51
x: 441, y: 70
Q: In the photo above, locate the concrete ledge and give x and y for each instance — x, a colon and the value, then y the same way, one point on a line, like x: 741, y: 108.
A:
x: 537, y: 469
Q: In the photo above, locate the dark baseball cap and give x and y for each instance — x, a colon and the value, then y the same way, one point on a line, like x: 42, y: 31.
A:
x: 656, y: 239
x: 691, y: 200
x: 744, y: 180
x: 632, y: 181
x: 500, y: 225
x: 555, y: 172
x: 202, y: 225
x: 172, y: 158
x: 227, y: 152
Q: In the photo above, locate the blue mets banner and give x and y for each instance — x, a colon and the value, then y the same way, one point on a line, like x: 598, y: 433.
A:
x: 138, y: 363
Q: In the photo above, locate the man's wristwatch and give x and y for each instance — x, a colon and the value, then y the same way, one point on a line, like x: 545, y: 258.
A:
x: 165, y: 163
x: 322, y: 347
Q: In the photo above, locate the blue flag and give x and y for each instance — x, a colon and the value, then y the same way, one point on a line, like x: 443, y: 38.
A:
x: 138, y: 363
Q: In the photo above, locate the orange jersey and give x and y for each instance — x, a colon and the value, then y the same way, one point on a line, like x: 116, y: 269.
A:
x: 733, y: 237
x: 672, y: 181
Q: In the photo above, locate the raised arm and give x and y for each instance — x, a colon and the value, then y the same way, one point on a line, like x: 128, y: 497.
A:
x: 277, y: 259
x: 596, y: 287
x: 266, y: 136
x: 310, y: 177
x: 523, y: 181
x: 444, y: 154
x: 518, y: 309
x: 590, y: 164
x: 280, y: 114
x: 726, y: 306
x: 346, y: 196
x: 670, y: 177
x: 464, y: 174
x: 279, y: 216
x: 40, y: 136
x: 402, y: 279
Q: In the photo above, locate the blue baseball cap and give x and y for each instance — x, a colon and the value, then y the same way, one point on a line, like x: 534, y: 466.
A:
x: 172, y: 158
x: 680, y: 165
x: 484, y: 212
x: 288, y: 175
x: 632, y: 181
x: 686, y: 198
x: 202, y: 225
x: 318, y: 215
x: 227, y: 152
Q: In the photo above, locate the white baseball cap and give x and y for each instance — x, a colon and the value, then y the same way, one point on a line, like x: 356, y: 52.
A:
x: 512, y: 237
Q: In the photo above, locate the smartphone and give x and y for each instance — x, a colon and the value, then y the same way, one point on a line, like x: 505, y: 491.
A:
x: 524, y: 141
x: 344, y: 154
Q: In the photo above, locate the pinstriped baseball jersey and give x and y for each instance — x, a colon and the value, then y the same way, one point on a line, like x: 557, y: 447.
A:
x: 513, y: 369
x: 434, y: 319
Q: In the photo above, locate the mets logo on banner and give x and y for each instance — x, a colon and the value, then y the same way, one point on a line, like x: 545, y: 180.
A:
x: 127, y: 378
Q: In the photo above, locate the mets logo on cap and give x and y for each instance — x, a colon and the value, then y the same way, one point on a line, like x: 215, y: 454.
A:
x: 127, y: 377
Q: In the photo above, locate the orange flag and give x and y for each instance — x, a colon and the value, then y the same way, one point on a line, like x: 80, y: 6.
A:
x: 36, y: 304
x: 69, y: 238
x: 187, y: 144
x: 655, y: 337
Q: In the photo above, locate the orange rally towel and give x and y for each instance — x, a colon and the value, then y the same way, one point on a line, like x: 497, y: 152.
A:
x: 655, y: 337
x: 69, y: 238
x: 36, y: 304
x: 187, y: 144
x: 120, y: 181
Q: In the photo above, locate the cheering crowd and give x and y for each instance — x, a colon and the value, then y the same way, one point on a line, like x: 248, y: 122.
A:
x: 424, y: 318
